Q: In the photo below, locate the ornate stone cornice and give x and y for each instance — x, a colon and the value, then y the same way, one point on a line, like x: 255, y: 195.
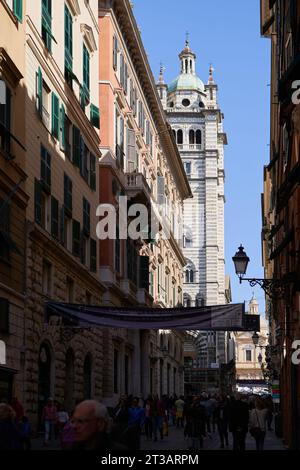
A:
x: 89, y: 37
x: 74, y: 6
x: 127, y: 23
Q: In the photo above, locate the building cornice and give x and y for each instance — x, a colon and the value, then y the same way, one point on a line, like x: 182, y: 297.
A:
x: 125, y: 18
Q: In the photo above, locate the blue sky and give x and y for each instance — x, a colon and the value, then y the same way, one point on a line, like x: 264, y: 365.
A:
x: 226, y: 34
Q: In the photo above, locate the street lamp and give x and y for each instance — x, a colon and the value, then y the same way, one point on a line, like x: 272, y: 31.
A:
x: 274, y: 288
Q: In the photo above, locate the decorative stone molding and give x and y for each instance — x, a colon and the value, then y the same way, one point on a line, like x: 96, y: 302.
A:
x: 89, y: 37
x: 74, y: 6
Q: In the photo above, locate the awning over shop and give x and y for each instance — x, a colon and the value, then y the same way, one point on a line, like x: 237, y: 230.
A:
x: 230, y: 317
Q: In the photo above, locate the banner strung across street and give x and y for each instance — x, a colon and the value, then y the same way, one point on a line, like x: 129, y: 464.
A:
x: 229, y: 317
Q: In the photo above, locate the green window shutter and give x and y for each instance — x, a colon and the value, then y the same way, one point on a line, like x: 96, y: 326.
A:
x: 86, y: 68
x: 68, y: 195
x: 37, y: 202
x: 95, y: 116
x: 68, y: 41
x: 76, y: 146
x: 47, y: 23
x: 93, y: 255
x: 115, y: 53
x: 76, y: 238
x: 55, y: 115
x: 18, y: 9
x: 92, y: 172
x: 45, y: 169
x: 62, y: 128
x: 82, y: 157
x: 86, y: 217
x: 83, y: 243
x: 62, y: 226
x: 39, y: 91
x: 54, y: 218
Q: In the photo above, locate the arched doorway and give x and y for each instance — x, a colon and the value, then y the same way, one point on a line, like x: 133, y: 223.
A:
x: 45, y: 378
x: 70, y: 377
x: 87, y: 377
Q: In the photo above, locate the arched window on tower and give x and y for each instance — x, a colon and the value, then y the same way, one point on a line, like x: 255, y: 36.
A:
x: 174, y: 133
x: 180, y: 137
x: 198, y: 137
x: 192, y: 137
x: 186, y: 66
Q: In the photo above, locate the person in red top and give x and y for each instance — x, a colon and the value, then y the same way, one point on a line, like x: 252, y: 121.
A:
x: 18, y: 409
x: 49, y: 418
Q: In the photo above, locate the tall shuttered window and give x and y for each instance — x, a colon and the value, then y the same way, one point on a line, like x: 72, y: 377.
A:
x: 5, y: 117
x: 76, y: 238
x: 45, y: 169
x: 68, y: 43
x: 68, y: 191
x: 86, y: 75
x: 55, y: 116
x: 18, y: 9
x: 93, y: 255
x: 95, y: 116
x: 92, y: 172
x: 54, y: 218
x: 86, y: 217
x: 47, y: 23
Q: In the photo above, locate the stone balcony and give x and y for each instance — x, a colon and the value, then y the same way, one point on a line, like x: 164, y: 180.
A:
x: 190, y: 147
x: 136, y: 186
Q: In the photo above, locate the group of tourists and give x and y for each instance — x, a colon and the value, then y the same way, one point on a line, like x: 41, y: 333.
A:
x: 94, y: 427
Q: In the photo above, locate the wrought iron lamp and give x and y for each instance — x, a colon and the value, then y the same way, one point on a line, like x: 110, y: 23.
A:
x: 274, y: 288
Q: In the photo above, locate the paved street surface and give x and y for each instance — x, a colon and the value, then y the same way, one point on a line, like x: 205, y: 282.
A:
x: 176, y: 441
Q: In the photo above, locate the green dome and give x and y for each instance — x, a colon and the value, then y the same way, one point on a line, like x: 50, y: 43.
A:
x: 186, y: 81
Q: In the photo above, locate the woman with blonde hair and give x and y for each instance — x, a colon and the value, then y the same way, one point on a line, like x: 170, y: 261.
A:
x: 257, y: 423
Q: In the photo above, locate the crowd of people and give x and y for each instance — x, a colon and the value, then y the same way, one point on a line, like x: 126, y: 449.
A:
x: 92, y: 426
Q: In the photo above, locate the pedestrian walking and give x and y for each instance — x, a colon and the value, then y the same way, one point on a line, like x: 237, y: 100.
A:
x: 49, y: 417
x: 270, y: 407
x: 148, y: 418
x: 25, y: 432
x: 238, y: 422
x: 179, y: 404
x: 10, y: 436
x: 62, y: 419
x: 136, y: 420
x: 221, y: 415
x: 257, y: 423
x: 158, y: 417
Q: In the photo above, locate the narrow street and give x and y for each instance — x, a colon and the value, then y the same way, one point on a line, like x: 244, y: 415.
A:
x: 176, y: 441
